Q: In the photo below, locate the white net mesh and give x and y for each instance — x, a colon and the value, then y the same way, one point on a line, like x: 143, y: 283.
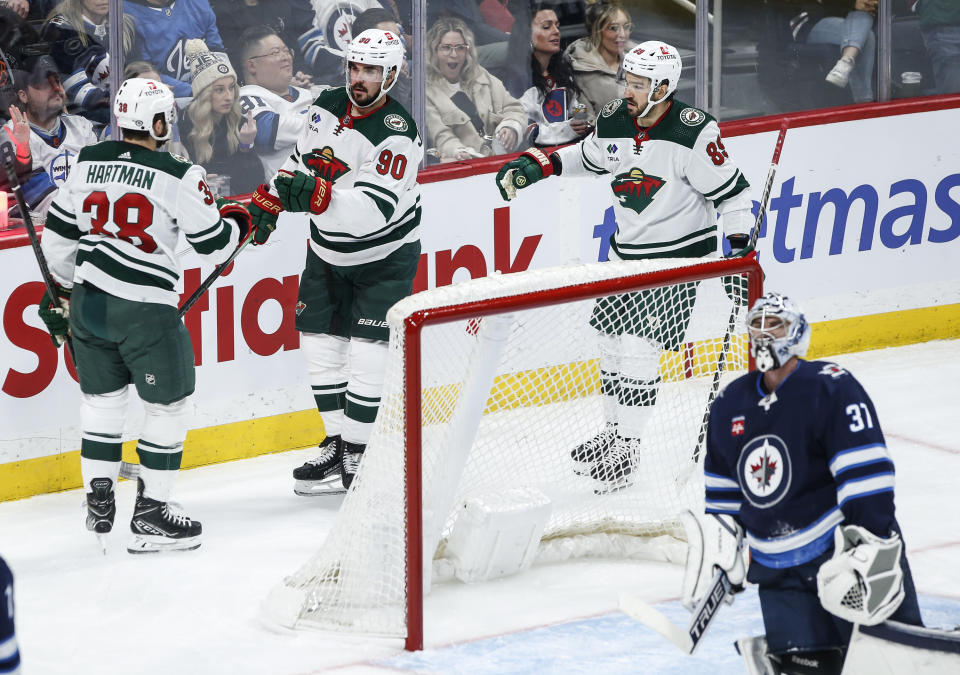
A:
x: 550, y: 372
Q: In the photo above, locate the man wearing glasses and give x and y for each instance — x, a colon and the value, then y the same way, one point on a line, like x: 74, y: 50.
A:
x: 353, y: 172
x: 279, y: 108
x: 670, y: 176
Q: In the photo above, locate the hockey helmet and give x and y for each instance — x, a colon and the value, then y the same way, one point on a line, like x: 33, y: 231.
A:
x: 139, y: 101
x: 657, y: 61
x: 772, y: 352
x: 375, y: 47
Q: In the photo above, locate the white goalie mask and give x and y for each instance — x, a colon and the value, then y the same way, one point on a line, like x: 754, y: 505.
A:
x: 139, y: 101
x: 375, y: 47
x: 657, y: 61
x: 766, y: 316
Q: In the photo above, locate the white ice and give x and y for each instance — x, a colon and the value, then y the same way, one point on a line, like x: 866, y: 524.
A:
x: 79, y: 611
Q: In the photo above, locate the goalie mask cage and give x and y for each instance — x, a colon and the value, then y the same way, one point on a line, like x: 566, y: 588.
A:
x: 489, y: 386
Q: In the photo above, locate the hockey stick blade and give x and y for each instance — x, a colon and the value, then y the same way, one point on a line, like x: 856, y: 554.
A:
x: 702, y: 617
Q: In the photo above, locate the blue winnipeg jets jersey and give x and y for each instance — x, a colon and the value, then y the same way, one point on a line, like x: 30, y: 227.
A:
x: 795, y: 463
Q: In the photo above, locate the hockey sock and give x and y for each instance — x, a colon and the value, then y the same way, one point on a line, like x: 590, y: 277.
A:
x: 610, y: 375
x: 161, y: 447
x: 101, y: 427
x: 326, y: 357
x: 368, y: 360
x: 639, y: 382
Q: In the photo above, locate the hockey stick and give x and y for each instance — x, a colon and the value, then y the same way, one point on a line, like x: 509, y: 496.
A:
x: 127, y: 470
x: 214, y: 275
x: 732, y: 320
x: 703, y: 614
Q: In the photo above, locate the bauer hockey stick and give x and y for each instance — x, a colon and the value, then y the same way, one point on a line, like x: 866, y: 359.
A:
x: 732, y: 320
x: 127, y: 470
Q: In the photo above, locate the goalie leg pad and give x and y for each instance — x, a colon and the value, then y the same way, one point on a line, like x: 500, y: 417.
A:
x: 863, y: 581
x: 714, y: 542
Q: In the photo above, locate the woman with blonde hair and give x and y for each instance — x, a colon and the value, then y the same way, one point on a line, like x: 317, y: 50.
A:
x: 469, y: 111
x: 596, y: 58
x: 216, y: 134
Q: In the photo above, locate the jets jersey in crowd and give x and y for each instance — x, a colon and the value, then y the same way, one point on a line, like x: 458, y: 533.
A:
x: 116, y: 221
x: 160, y: 35
x: 793, y: 464
x: 372, y: 162
x: 53, y: 154
x: 280, y: 120
x: 667, y: 180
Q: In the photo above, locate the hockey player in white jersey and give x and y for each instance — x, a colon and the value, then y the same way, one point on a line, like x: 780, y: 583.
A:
x: 671, y: 175
x: 55, y: 138
x: 354, y: 172
x: 278, y: 107
x: 110, y: 242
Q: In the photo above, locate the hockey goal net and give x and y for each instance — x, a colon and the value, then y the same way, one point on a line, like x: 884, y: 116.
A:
x: 490, y: 384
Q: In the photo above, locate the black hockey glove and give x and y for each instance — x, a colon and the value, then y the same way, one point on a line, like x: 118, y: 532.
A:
x: 56, y: 314
x: 525, y: 170
x: 740, y: 246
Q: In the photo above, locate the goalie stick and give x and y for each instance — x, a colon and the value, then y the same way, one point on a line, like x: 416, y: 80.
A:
x: 720, y: 591
x: 732, y: 320
x: 127, y: 470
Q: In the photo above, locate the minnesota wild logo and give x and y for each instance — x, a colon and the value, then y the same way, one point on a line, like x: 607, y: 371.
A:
x: 636, y: 189
x: 325, y: 164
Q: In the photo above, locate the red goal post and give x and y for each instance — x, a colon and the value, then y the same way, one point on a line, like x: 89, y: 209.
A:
x: 477, y: 424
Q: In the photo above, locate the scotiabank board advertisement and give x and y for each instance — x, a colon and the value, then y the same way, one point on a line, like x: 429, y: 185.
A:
x: 864, y: 219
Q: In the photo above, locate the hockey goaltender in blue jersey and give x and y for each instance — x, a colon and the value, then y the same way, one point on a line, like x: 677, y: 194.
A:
x: 793, y: 464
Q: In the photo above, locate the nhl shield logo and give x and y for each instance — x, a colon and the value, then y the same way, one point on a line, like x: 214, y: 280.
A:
x: 737, y: 425
x: 150, y: 378
x: 635, y: 189
x: 764, y: 470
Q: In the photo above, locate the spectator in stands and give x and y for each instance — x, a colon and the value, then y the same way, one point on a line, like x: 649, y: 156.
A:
x: 278, y: 107
x: 496, y: 13
x: 940, y: 26
x: 469, y: 111
x: 553, y: 104
x: 596, y: 57
x: 33, y: 10
x: 77, y: 33
x: 217, y: 136
x: 146, y: 71
x: 160, y: 30
x: 849, y: 25
x: 383, y: 19
x: 290, y: 19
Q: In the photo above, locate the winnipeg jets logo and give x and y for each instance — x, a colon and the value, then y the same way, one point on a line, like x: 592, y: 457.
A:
x: 635, y: 189
x: 764, y: 468
x: 325, y: 164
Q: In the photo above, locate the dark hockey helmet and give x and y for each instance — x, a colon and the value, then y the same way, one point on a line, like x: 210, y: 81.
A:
x: 770, y: 346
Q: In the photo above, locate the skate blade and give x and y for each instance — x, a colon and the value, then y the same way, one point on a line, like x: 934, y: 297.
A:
x: 331, y: 485
x: 609, y: 487
x: 102, y: 540
x: 582, y: 468
x: 144, y: 543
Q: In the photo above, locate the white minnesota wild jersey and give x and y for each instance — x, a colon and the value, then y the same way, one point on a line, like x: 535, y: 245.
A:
x: 280, y: 120
x: 372, y: 162
x: 116, y: 221
x: 668, y: 179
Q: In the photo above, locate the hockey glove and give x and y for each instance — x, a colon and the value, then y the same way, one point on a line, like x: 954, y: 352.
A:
x: 264, y: 211
x: 527, y: 169
x: 714, y: 542
x: 312, y: 45
x: 740, y: 246
x: 56, y: 314
x: 300, y: 192
x: 238, y: 213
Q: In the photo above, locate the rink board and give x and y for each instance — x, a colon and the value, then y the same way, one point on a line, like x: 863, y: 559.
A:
x: 869, y: 250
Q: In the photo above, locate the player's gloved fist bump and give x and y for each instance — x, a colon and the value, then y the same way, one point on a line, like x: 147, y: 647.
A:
x: 265, y: 208
x: 238, y: 213
x: 740, y: 246
x: 301, y: 192
x: 55, y: 314
x: 525, y: 170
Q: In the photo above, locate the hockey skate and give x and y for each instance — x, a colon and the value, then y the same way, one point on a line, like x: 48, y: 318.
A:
x: 321, y: 475
x: 161, y: 526
x: 615, y: 470
x: 588, y: 453
x: 350, y: 463
x: 101, y: 509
